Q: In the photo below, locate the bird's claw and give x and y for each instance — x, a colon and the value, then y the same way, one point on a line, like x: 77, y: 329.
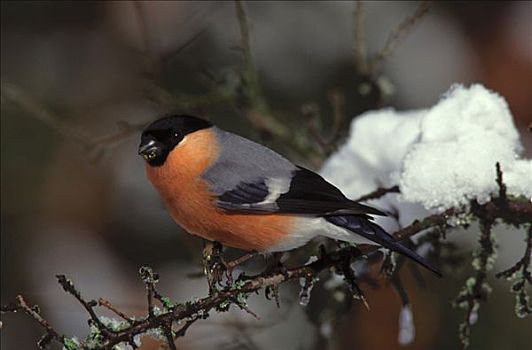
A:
x: 216, y: 268
x: 276, y: 265
x: 214, y: 265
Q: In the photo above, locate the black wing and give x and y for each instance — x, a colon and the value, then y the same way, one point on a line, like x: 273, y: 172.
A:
x: 308, y: 194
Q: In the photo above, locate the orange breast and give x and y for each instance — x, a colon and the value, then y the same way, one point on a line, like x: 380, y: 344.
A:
x: 187, y: 197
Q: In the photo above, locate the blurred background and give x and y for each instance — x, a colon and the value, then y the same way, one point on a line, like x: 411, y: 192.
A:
x: 80, y: 78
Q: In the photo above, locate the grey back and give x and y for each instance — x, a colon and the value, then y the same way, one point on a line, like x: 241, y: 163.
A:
x: 242, y: 160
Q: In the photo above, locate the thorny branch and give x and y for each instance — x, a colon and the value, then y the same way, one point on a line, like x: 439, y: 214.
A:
x: 160, y: 319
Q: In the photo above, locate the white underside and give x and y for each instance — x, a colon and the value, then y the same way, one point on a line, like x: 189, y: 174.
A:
x: 308, y: 227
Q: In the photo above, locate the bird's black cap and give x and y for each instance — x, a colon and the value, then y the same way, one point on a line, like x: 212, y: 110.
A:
x: 161, y: 136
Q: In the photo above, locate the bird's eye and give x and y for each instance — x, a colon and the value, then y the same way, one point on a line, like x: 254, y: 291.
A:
x: 177, y: 136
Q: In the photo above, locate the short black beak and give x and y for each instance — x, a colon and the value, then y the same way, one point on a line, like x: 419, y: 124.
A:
x: 149, y: 150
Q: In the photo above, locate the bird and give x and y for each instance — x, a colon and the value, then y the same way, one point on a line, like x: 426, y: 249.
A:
x: 226, y: 188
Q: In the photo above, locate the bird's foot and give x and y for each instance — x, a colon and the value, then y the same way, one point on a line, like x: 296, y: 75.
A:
x: 275, y: 264
x: 216, y: 268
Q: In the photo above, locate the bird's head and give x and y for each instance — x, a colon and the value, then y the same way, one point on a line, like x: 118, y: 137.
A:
x: 161, y: 136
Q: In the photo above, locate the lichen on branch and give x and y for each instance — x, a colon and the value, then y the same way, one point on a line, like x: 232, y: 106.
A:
x: 168, y: 320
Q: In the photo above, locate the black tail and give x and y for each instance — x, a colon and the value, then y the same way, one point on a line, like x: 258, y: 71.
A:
x: 375, y: 233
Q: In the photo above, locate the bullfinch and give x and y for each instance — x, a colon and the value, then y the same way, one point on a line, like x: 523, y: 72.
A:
x: 226, y: 188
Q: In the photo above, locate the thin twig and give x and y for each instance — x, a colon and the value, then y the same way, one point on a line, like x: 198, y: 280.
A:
x: 350, y: 278
x: 153, y: 63
x: 256, y: 109
x: 395, y: 35
x: 400, y: 289
x: 69, y: 287
x: 249, y: 70
x: 311, y: 114
x: 142, y: 24
x: 166, y: 56
x: 361, y: 58
x: 169, y: 337
x: 38, y: 111
x: 337, y: 101
x: 240, y: 260
x: 33, y: 313
x: 125, y: 130
x: 523, y: 263
x: 149, y: 278
x: 16, y: 96
x: 502, y: 187
x: 476, y: 288
x: 521, y: 276
x: 183, y: 330
x: 247, y: 309
x: 106, y: 304
x: 378, y: 193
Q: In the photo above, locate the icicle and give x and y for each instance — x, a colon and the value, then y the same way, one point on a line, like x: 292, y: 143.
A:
x: 326, y: 329
x: 473, y: 315
x: 407, y: 330
x: 306, y: 287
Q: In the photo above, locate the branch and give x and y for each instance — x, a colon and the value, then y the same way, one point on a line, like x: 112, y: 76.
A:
x: 15, y: 96
x: 395, y: 35
x: 378, y: 193
x: 311, y: 114
x: 254, y: 104
x: 476, y: 288
x: 502, y: 187
x: 107, y: 304
x: 521, y: 276
x: 96, y: 146
x: 34, y: 313
x: 249, y: 71
x: 153, y: 62
x: 160, y: 319
x: 361, y: 56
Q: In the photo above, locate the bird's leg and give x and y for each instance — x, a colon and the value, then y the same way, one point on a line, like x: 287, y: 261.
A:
x: 231, y: 265
x: 275, y: 263
x: 213, y: 264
